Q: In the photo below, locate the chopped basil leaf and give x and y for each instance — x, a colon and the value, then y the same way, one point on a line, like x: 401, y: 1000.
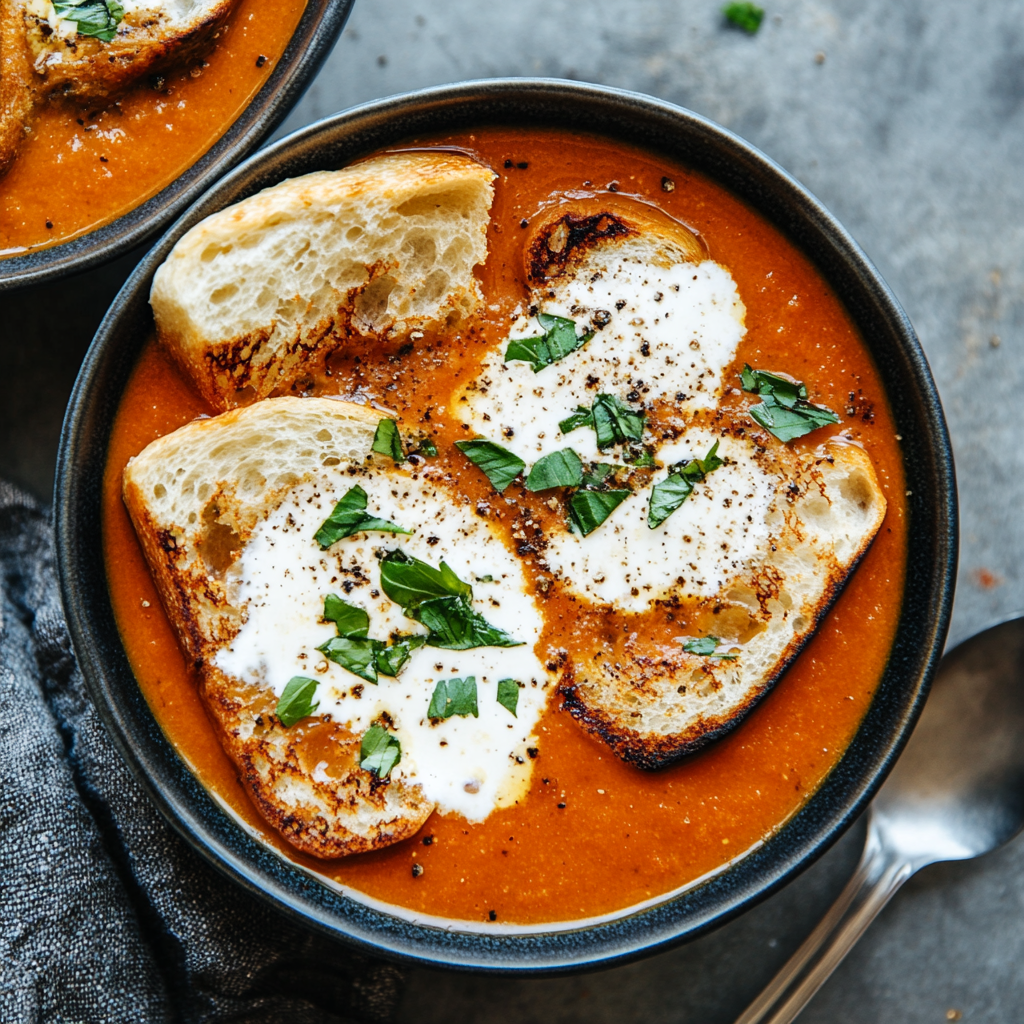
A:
x: 616, y: 423
x: 763, y: 382
x: 97, y: 18
x: 379, y: 752
x: 746, y: 16
x: 582, y: 417
x: 559, y: 469
x: 705, y: 646
x: 350, y: 620
x: 391, y: 660
x: 409, y: 582
x: 356, y: 654
x: 297, y: 700
x: 558, y: 341
x: 455, y: 626
x: 499, y: 465
x: 613, y: 421
x: 350, y: 517
x: 789, y: 424
x: 668, y: 494
x: 427, y: 448
x: 386, y: 441
x: 642, y: 460
x: 454, y: 697
x: 589, y: 509
x: 784, y: 410
x: 508, y: 695
x: 485, y: 579
x: 599, y: 472
x: 441, y: 601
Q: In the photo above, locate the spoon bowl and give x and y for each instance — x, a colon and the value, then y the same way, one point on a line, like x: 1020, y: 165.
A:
x: 957, y: 792
x: 958, y: 789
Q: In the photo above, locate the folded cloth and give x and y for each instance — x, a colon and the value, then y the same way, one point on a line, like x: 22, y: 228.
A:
x: 106, y: 915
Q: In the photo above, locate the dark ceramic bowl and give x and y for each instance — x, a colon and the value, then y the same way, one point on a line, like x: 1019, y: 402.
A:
x: 314, y: 38
x: 926, y: 604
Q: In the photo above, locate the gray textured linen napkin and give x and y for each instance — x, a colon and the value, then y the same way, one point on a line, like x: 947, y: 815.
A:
x: 106, y: 915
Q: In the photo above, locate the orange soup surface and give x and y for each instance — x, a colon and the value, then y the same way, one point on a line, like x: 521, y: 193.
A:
x: 81, y: 167
x: 594, y: 835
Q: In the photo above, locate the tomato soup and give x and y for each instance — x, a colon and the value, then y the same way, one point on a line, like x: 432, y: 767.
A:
x: 82, y: 166
x: 594, y: 835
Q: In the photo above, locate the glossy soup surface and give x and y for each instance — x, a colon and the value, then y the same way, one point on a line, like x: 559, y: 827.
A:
x: 83, y: 166
x: 594, y: 835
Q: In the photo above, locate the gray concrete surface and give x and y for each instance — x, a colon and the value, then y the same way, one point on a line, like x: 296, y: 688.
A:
x: 910, y: 127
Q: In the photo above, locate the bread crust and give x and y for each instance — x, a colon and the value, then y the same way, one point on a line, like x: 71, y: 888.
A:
x: 254, y: 298
x: 195, y: 496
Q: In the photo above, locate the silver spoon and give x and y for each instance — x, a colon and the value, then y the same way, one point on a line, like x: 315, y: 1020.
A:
x: 956, y: 792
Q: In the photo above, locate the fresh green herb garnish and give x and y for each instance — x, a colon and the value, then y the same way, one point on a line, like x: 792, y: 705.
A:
x: 612, y: 420
x: 97, y: 18
x: 599, y: 472
x: 409, y: 582
x: 589, y: 509
x: 454, y: 626
x: 706, y: 646
x: 559, y: 469
x: 642, y: 460
x: 387, y: 441
x: 441, y: 601
x: 616, y: 423
x: 353, y: 651
x: 379, y: 752
x: 582, y: 417
x: 297, y: 702
x: 485, y: 579
x: 427, y: 448
x: 391, y: 660
x: 784, y: 410
x: 508, y: 695
x: 350, y: 517
x: 746, y: 16
x: 350, y: 620
x: 668, y: 494
x: 356, y: 654
x: 454, y: 697
x: 559, y: 339
x: 499, y: 465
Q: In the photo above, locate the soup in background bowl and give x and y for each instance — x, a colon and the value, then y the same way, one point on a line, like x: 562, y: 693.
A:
x: 95, y: 161
x: 604, y: 852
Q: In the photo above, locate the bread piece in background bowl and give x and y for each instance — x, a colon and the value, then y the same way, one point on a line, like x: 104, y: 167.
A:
x: 114, y: 117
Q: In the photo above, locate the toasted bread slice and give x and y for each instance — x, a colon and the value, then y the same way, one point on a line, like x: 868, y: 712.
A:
x: 152, y: 36
x: 652, y: 710
x: 195, y: 497
x: 257, y: 295
x: 15, y: 81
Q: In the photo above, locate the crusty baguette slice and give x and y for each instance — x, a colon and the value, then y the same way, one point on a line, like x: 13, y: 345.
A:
x: 152, y: 36
x: 257, y: 295
x: 15, y: 81
x: 195, y: 497
x: 652, y: 711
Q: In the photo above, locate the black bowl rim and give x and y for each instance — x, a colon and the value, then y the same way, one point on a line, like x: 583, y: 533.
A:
x: 834, y: 806
x: 315, y: 36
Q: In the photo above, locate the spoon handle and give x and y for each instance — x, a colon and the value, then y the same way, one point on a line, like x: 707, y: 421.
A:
x: 879, y: 874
